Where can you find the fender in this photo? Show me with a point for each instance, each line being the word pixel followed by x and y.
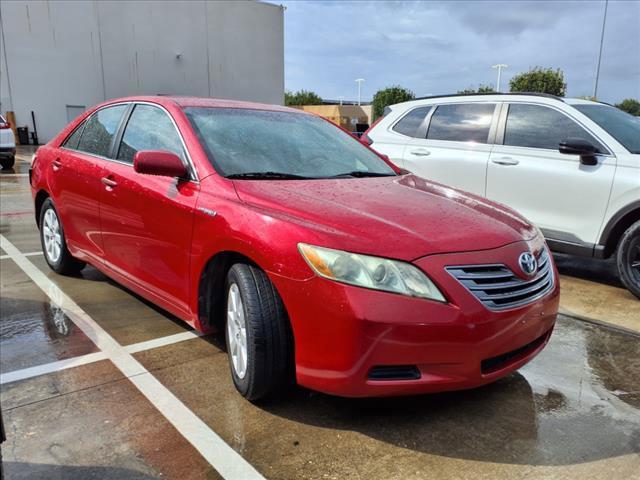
pixel 610 229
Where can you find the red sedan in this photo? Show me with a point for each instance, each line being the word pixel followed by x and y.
pixel 321 261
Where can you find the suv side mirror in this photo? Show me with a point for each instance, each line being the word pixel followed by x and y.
pixel 582 147
pixel 159 162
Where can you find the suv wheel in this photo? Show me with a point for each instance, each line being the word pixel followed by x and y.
pixel 628 258
pixel 8 162
pixel 258 335
pixel 53 242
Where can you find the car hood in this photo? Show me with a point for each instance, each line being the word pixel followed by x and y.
pixel 404 217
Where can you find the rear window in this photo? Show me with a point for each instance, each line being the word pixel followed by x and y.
pixel 469 122
pixel 100 129
pixel 409 124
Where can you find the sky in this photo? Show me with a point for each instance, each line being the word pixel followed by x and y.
pixel 435 47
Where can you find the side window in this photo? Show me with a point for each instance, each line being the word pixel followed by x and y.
pixel 466 122
pixel 536 126
pixel 409 124
pixel 73 139
pixel 100 129
pixel 149 128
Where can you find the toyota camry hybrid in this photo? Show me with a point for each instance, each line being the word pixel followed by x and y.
pixel 321 261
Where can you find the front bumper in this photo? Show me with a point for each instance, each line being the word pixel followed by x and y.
pixel 344 333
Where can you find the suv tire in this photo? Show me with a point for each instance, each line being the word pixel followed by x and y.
pixel 257 328
pixel 57 256
pixel 7 163
pixel 628 258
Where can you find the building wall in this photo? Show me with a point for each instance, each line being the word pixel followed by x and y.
pixel 58 57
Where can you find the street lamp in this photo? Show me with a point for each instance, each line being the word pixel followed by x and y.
pixel 359 82
pixel 499 66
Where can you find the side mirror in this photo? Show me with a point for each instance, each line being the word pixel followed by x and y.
pixel 582 147
pixel 160 163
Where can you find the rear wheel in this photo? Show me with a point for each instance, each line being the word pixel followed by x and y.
pixel 7 163
pixel 628 258
pixel 53 242
pixel 258 335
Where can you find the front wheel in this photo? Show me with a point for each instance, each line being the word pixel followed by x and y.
pixel 258 334
pixel 628 258
pixel 54 244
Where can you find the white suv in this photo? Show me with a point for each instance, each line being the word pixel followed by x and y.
pixel 570 166
pixel 7 145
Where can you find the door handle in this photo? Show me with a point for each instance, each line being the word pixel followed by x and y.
pixel 109 182
pixel 56 164
pixel 421 152
pixel 508 161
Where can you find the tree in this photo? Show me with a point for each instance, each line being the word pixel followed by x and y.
pixel 390 96
pixel 630 105
pixel 302 97
pixel 481 89
pixel 542 80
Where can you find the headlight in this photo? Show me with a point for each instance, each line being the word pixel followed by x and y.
pixel 370 272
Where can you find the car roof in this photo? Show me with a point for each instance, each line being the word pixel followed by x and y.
pixel 202 102
pixel 496 97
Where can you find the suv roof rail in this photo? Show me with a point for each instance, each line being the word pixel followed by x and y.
pixel 533 94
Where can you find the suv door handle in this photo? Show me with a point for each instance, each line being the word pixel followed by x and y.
pixel 109 182
pixel 508 161
pixel 56 164
pixel 420 152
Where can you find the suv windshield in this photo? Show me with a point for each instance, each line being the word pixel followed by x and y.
pixel 620 125
pixel 262 144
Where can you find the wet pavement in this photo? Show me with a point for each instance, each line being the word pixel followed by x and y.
pixel 574 412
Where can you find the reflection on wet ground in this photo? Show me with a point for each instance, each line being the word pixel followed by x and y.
pixel 571 406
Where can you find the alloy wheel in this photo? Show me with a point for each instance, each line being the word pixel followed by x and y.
pixel 237 331
pixel 52 236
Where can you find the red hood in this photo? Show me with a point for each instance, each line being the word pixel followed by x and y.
pixel 398 217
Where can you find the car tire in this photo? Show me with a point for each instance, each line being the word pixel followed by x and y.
pixel 54 244
pixel 628 258
pixel 256 320
pixel 8 163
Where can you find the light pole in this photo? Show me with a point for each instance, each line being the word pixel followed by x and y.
pixel 499 66
pixel 604 20
pixel 359 82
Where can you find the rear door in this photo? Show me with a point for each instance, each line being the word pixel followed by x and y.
pixel 76 170
pixel 563 197
pixel 146 220
pixel 455 145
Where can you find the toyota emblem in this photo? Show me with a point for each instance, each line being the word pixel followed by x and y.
pixel 528 263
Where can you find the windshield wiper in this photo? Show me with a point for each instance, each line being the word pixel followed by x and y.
pixel 266 176
pixel 362 174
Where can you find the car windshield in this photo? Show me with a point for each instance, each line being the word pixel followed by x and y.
pixel 620 125
pixel 261 144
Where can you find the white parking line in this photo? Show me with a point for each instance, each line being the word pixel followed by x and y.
pixel 52 367
pixel 14 175
pixel 30 254
pixel 211 446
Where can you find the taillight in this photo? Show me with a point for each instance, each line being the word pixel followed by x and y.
pixel 4 126
pixel 366 139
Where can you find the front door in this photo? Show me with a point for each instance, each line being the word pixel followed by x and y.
pixel 147 221
pixel 563 197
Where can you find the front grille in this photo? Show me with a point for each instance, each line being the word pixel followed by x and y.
pixel 493 364
pixel 498 288
pixel 394 372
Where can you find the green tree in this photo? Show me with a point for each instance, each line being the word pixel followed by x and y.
pixel 302 97
pixel 630 105
pixel 390 96
pixel 481 89
pixel 541 80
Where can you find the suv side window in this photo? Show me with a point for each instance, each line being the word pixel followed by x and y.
pixel 537 126
pixel 100 129
pixel 409 124
pixel 149 128
pixel 465 122
pixel 73 140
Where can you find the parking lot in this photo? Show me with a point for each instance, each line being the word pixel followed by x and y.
pixel 98 383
